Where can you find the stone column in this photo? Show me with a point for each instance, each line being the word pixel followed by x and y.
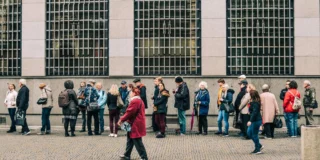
pixel 310 142
pixel 121 34
pixel 33 37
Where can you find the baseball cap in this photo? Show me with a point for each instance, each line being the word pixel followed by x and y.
pixel 123 82
pixel 245 82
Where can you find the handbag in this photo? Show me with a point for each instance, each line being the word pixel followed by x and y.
pixel 20 118
pixel 126 126
pixel 120 103
pixel 42 101
pixel 277 122
pixel 93 106
pixel 229 107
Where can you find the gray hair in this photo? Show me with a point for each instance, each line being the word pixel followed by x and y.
pixel 205 84
pixel 226 86
pixel 23 81
pixel 307 82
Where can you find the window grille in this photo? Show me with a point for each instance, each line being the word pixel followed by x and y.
pixel 260 37
pixel 167 37
pixel 10 40
pixel 77 37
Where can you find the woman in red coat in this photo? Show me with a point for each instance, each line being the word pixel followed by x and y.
pixel 291 114
pixel 136 117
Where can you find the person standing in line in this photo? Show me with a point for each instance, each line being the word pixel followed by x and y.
pixel 270 109
pixel 124 91
pixel 202 100
pixel 46 92
pixel 127 100
pixel 71 111
pixel 221 82
pixel 143 91
pixel 282 95
pixel 182 102
pixel 10 103
pixel 244 110
pixel 243 90
pixel 135 115
pixel 242 77
pixel 156 82
pixel 309 102
pixel 160 109
pixel 292 114
pixel 255 121
pixel 91 96
pixel 114 111
pixel 82 105
pixel 23 104
pixel 102 103
pixel 226 99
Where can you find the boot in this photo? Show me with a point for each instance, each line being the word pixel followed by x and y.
pixel 72 134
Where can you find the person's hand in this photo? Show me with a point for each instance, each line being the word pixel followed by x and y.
pixel 199 102
pixel 249 124
pixel 152 98
pixel 311 109
pixel 119 123
pixel 173 91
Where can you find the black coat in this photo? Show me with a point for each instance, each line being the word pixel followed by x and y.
pixel 156 92
pixel 161 101
pixel 72 108
pixel 283 93
pixel 143 95
pixel 22 101
pixel 254 111
pixel 239 97
pixel 112 101
pixel 182 97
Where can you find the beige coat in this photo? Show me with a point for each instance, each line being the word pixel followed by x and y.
pixel 269 107
pixel 47 93
pixel 244 103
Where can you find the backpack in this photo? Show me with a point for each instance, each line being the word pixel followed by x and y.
pixel 63 99
pixel 297 104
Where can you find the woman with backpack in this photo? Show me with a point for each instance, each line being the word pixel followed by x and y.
pixel 291 98
pixel 114 111
pixel 46 92
pixel 71 111
pixel 82 105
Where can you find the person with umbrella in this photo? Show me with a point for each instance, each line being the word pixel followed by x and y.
pixel 202 100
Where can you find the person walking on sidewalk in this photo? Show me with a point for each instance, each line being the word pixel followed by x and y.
pixel 46 92
pixel 160 109
pixel 23 104
pixel 269 108
pixel 202 100
pixel 135 115
pixel 282 95
pixel 114 111
pixel 182 102
pixel 92 97
pixel 82 105
pixel 102 103
pixel 309 102
pixel 10 103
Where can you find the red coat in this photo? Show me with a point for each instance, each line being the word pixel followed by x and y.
pixel 138 124
pixel 288 101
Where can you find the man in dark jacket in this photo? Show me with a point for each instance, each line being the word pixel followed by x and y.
pixel 309 102
pixel 156 82
pixel 243 89
pixel 282 95
pixel 123 90
pixel 182 102
pixel 23 104
pixel 143 91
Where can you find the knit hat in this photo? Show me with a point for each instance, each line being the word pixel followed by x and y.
pixel 136 80
pixel 178 80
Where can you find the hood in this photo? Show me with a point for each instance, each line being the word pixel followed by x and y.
pixel 68 84
pixel 231 91
pixel 165 93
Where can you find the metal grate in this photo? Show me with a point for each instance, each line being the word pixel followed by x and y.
pixel 77 37
pixel 167 37
pixel 260 37
pixel 10 40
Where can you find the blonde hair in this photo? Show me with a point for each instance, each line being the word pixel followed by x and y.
pixel 205 84
pixel 114 90
pixel 251 86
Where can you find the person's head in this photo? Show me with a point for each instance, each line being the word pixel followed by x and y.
pixel 92 82
pixel 250 88
pixel 42 85
pixel 157 81
pixel 306 84
pixel 161 86
pixel 243 83
pixel 137 81
pixel 203 85
pixel 287 84
pixel 68 84
pixel 255 97
pixel 242 77
pixel 130 86
pixel 99 86
pixel 135 92
pixel 123 84
pixel 22 82
pixel 11 87
pixel 83 84
pixel 178 80
pixel 114 90
pixel 265 88
pixel 293 85
pixel 225 87
pixel 221 82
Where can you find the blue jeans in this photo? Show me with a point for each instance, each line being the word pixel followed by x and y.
pixel 101 119
pixel 182 120
pixel 45 119
pixel 293 123
pixel 285 115
pixel 253 133
pixel 225 116
pixel 12 112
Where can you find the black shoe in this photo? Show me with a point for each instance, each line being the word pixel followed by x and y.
pixel 90 134
pixel 66 134
pixel 205 133
pixel 218 133
pixel 72 134
pixel 124 157
pixel 160 136
pixel 245 138
pixel 101 131
pixel 11 131
pixel 226 134
pixel 97 133
pixel 256 151
pixel 26 133
pixel 82 130
pixel 198 133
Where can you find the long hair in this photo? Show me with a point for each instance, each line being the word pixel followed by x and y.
pixel 114 90
pixel 252 87
pixel 255 97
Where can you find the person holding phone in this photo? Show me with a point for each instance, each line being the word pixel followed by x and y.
pixel 10 103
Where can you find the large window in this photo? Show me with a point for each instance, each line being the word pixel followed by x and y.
pixel 10 37
pixel 260 37
pixel 167 37
pixel 77 38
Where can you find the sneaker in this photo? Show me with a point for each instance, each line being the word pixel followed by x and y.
pixel 261 147
pixel 256 151
pixel 218 133
pixel 225 134
pixel 293 136
pixel 90 134
pixel 198 133
pixel 48 132
pixel 267 138
pixel 181 134
pixel 115 135
pixel 124 157
pixel 205 133
pixel 160 136
pixel 11 131
pixel 26 133
pixel 41 133
pixel 82 130
pixel 111 135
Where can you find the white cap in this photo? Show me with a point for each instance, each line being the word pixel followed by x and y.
pixel 265 86
pixel 242 76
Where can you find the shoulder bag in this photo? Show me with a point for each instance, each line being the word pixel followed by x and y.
pixel 126 126
pixel 43 100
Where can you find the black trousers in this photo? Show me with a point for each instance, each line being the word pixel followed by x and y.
pixel 72 123
pixel 155 127
pixel 245 119
pixel 25 127
pixel 269 129
pixel 137 142
pixel 95 115
pixel 203 124
pixel 84 120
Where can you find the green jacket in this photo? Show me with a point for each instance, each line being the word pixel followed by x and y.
pixel 309 98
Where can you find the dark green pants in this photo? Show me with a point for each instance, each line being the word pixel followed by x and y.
pixel 137 142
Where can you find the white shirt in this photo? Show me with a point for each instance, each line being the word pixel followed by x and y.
pixel 11 98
